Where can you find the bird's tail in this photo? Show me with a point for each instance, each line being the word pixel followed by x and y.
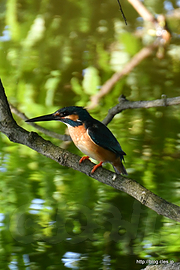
pixel 119 167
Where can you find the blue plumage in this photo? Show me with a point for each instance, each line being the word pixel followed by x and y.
pixel 102 136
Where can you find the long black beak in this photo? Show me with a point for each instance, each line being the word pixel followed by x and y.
pixel 47 117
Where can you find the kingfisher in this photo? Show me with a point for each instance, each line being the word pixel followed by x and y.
pixel 90 136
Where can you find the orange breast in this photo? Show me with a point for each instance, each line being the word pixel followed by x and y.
pixel 82 140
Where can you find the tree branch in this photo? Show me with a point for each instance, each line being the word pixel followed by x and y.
pixel 106 88
pixel 142 10
pixel 125 104
pixel 16 134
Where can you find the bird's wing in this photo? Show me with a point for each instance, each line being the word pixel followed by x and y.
pixel 103 137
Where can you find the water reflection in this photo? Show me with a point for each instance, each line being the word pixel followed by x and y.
pixel 1 219
pixel 36 206
pixel 5 35
pixel 71 259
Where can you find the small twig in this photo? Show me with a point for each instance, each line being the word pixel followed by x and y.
pixel 120 7
pixel 164 98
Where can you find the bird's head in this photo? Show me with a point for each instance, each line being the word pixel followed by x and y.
pixel 71 116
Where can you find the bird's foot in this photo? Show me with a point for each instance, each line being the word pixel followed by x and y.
pixel 83 158
pixel 96 166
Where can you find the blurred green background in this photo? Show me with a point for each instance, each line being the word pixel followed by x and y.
pixel 59 53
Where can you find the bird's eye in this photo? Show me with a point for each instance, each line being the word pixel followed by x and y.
pixel 62 114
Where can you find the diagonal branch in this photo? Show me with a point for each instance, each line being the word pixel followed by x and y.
pixel 107 87
pixel 31 139
pixel 142 10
